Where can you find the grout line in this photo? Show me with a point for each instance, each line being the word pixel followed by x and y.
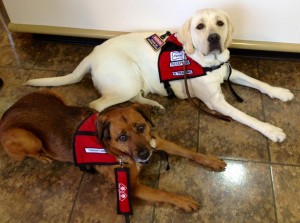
pixel 156 186
pixel 286 164
pixel 153 213
pixel 198 132
pixel 268 148
pixel 75 198
pixel 261 162
pixel 273 193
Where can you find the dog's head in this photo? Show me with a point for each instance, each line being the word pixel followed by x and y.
pixel 127 132
pixel 208 31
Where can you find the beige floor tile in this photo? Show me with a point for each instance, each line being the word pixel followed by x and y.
pixel 232 139
pixel 285 116
pixel 287 192
pixel 35 192
pixel 242 193
pixel 282 73
pixel 62 57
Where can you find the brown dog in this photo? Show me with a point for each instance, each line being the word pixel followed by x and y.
pixel 41 126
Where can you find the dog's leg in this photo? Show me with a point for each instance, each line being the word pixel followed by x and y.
pixel 220 105
pixel 150 194
pixel 114 95
pixel 186 203
pixel 19 143
pixel 174 149
pixel 108 100
pixel 274 92
pixel 140 99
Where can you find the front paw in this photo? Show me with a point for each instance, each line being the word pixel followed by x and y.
pixel 158 110
pixel 211 162
pixel 274 133
pixel 186 203
pixel 281 94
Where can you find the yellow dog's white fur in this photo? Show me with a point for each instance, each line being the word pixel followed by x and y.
pixel 125 68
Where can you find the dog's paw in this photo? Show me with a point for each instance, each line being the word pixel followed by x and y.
pixel 186 203
pixel 281 94
pixel 274 133
pixel 216 164
pixel 211 162
pixel 157 110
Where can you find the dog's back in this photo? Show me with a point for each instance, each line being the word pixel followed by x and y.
pixel 42 117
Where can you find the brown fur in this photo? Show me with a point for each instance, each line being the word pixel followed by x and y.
pixel 41 126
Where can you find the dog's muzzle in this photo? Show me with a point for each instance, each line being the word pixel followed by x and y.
pixel 214 42
pixel 144 156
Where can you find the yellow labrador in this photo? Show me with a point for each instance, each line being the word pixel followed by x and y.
pixel 125 68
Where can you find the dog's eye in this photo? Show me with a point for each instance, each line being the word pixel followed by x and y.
pixel 123 138
pixel 220 23
pixel 140 128
pixel 200 26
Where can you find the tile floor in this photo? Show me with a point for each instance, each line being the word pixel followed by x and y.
pixel 260 184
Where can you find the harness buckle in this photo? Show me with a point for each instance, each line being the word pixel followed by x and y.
pixel 121 160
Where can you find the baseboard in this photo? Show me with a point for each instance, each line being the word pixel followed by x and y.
pixel 64 31
pixel 105 34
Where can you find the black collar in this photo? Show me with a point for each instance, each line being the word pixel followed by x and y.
pixel 212 68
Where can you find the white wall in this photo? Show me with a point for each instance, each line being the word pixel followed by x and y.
pixel 271 21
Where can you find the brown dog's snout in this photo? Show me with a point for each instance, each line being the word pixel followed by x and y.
pixel 143 153
pixel 213 38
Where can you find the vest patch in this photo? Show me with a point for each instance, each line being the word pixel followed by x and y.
pixel 170 62
pixel 155 41
pixel 86 148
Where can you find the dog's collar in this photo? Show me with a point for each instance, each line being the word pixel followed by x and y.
pixel 213 68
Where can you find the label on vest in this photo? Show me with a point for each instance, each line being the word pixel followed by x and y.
pixel 170 62
pixel 124 205
pixel 155 42
pixel 95 150
pixel 86 147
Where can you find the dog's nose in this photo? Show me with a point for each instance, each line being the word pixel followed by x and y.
pixel 143 153
pixel 213 38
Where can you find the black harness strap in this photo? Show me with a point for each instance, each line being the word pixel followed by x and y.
pixel 237 97
pixel 169 90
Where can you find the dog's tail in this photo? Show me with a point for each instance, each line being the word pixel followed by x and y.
pixel 74 77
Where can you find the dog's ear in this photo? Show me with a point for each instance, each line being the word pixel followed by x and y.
pixel 184 36
pixel 145 111
pixel 103 129
pixel 230 31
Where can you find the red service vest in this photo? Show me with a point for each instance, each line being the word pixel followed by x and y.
pixel 86 148
pixel 170 60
